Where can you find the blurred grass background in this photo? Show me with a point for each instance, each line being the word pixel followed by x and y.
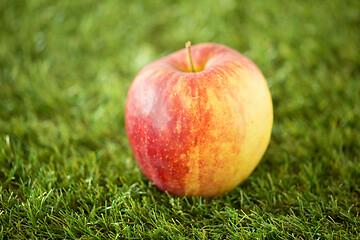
pixel 66 169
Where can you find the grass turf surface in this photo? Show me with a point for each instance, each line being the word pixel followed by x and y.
pixel 66 168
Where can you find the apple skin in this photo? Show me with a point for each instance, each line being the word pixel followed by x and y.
pixel 199 133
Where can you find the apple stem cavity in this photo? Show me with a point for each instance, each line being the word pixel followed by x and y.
pixel 188 48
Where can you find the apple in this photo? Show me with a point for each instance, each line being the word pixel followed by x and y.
pixel 199 120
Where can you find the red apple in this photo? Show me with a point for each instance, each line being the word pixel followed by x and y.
pixel 198 126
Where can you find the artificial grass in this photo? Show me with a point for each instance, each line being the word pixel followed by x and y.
pixel 66 168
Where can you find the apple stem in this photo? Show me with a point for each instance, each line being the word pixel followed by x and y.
pixel 188 48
